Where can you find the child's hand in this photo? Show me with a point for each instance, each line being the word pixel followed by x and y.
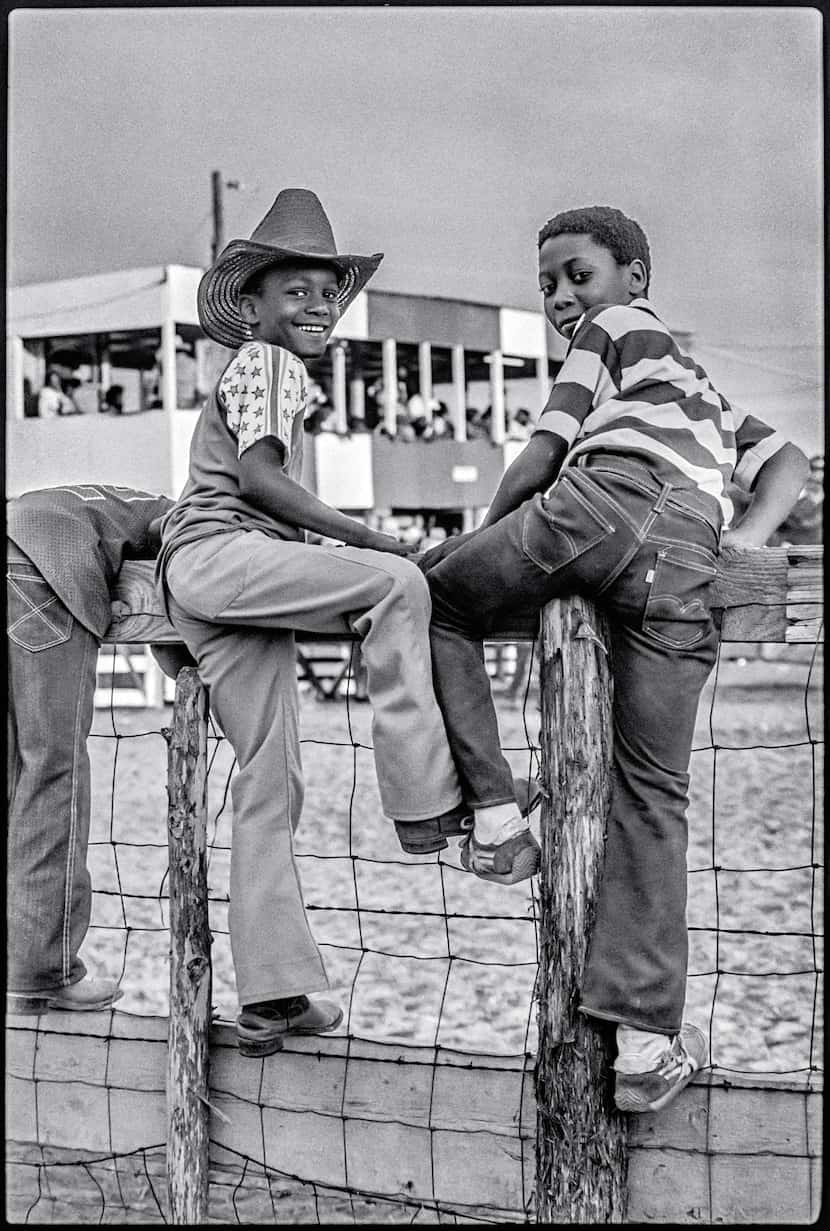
pixel 734 538
pixel 434 555
pixel 396 547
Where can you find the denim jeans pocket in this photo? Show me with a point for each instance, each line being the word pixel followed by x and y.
pixel 557 531
pixel 37 619
pixel 677 611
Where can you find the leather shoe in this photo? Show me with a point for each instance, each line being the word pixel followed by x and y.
pixel 85 996
pixel 261 1028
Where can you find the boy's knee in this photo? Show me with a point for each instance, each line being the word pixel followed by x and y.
pixel 407 584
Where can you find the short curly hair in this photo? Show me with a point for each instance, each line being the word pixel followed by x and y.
pixel 624 238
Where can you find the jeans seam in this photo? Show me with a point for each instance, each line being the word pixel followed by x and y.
pixel 619 509
pixel 622 564
pixel 586 504
pixel 69 882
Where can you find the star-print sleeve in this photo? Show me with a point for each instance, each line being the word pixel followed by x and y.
pixel 262 391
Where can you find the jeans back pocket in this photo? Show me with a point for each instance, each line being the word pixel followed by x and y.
pixel 37 619
pixel 677 611
pixel 558 530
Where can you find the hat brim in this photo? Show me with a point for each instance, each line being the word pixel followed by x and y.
pixel 218 296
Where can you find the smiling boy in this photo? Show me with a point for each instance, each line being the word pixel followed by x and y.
pixel 619 494
pixel 239 577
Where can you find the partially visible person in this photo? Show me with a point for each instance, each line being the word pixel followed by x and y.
pixel 442 425
pixel 114 401
pixel 805 521
pixel 520 425
pixel 70 388
pixel 52 402
pixel 87 397
pixel 65 547
pixel 476 429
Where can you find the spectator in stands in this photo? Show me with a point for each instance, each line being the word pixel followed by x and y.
pixel 70 387
pixel 404 430
pixel 52 401
pixel 804 523
pixel 475 426
pixel 520 426
pixel 114 400
pixel 442 425
pixel 87 397
pixel 64 550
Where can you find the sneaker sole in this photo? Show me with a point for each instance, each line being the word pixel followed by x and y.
pixel 635 1104
pixel 94 1007
pixel 525 865
pixel 632 1102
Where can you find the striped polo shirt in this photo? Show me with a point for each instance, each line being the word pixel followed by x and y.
pixel 626 388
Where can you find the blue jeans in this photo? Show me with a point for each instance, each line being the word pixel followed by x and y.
pixel 646 552
pixel 51 680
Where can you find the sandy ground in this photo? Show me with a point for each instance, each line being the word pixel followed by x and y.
pixel 418 950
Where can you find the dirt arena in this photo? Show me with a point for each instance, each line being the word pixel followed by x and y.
pixel 419 951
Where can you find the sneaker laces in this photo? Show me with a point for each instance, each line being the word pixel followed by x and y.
pixel 677 1058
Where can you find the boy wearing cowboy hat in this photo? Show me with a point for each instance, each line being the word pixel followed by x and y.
pixel 239 577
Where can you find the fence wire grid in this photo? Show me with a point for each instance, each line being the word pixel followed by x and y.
pixel 433 961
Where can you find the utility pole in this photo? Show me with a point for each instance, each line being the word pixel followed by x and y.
pixel 217 186
pixel 218 216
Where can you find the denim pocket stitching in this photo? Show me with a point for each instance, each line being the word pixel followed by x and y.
pixel 709 556
pixel 37 610
pixel 604 530
pixel 672 599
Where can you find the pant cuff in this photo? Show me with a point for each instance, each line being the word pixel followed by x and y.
pixel 399 814
pixel 291 987
pixel 637 1023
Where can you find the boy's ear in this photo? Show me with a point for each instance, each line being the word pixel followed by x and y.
pixel 249 309
pixel 637 276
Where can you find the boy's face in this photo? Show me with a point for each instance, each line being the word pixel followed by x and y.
pixel 295 307
pixel 577 273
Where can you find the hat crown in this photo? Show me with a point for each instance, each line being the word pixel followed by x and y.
pixel 297 221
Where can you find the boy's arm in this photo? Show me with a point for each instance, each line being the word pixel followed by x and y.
pixel 776 489
pixel 534 470
pixel 265 484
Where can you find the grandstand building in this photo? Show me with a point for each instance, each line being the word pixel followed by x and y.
pixel 395 359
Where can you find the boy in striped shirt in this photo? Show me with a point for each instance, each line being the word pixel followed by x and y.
pixel 621 494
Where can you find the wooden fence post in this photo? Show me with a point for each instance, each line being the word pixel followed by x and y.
pixel 581 1155
pixel 188 1110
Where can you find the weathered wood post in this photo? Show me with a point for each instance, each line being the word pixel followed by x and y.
pixel 190 969
pixel 581 1157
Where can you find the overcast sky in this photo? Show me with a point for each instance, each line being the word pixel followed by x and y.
pixel 444 137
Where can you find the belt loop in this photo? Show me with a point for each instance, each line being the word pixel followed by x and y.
pixel 660 502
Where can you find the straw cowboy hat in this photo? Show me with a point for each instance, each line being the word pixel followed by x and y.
pixel 295 228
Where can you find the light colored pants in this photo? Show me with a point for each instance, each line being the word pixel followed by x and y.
pixel 236 599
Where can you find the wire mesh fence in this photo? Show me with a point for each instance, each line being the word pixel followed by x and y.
pixel 435 969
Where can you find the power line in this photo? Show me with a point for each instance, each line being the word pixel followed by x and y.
pixel 93 303
pixel 756 363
